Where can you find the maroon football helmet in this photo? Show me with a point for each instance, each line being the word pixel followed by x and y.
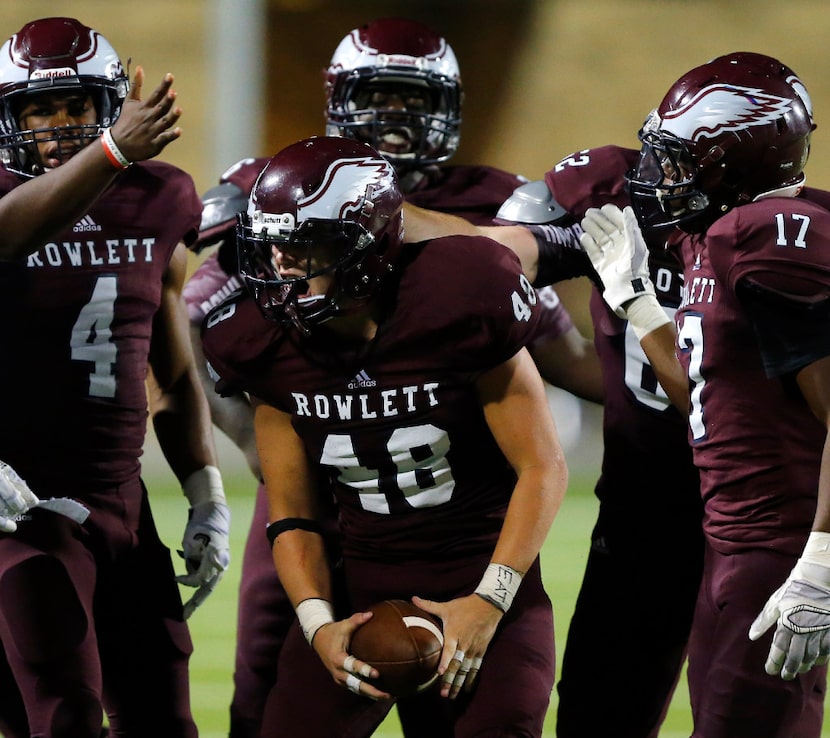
pixel 55 54
pixel 335 205
pixel 395 84
pixel 726 133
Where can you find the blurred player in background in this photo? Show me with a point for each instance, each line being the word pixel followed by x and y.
pixel 396 85
pixel 448 478
pixel 91 619
pixel 720 169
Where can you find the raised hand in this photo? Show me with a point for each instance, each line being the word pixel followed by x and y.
pixel 145 127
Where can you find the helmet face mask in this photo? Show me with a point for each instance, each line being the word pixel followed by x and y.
pixel 726 133
pixel 395 85
pixel 663 189
pixel 321 232
pixel 48 61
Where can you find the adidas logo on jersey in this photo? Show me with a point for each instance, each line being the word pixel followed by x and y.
pixel 362 379
pixel 86 224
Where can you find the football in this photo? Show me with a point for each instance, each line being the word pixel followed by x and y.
pixel 403 643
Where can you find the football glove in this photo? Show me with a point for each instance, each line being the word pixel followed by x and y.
pixel 15 498
pixel 800 610
pixel 613 242
pixel 205 544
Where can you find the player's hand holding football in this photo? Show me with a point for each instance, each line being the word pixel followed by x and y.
pixel 800 610
pixel 145 127
pixel 205 544
pixel 331 642
pixel 469 624
pixel 15 498
pixel 613 242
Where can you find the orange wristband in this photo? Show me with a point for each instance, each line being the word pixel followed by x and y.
pixel 116 158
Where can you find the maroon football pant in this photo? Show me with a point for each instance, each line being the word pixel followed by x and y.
pixel 91 620
pixel 264 617
pixel 732 696
pixel 627 638
pixel 513 689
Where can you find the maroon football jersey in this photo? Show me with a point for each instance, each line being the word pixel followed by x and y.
pixel 474 193
pixel 75 403
pixel 471 192
pixel 645 436
pixel 398 426
pixel 755 441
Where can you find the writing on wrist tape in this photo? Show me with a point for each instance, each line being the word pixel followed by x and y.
pixel 116 158
pixel 313 614
pixel 499 585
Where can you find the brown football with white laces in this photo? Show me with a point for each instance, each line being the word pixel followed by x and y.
pixel 403 643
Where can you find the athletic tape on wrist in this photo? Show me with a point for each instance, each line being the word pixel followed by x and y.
pixel 817 549
pixel 645 315
pixel 114 154
pixel 204 485
pixel 499 585
pixel 313 614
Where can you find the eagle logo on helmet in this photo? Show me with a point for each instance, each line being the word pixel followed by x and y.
pixel 345 189
pixel 721 108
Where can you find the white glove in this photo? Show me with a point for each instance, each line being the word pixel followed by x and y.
pixel 205 544
pixel 15 498
pixel 613 242
pixel 801 609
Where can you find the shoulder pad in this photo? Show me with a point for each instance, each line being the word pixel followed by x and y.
pixel 220 205
pixel 531 203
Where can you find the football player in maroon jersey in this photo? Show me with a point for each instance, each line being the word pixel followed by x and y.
pixel 648 491
pixel 720 169
pixel 381 378
pixel 376 73
pixel 91 619
pixel 639 455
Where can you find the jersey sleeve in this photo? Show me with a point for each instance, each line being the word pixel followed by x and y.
pixel 776 255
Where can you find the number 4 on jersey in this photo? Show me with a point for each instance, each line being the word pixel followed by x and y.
pixel 91 338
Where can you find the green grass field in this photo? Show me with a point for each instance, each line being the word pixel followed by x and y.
pixel 214 625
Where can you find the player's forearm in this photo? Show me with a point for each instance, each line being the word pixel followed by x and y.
pixel 42 207
pixel 659 347
pixel 181 420
pixel 422 225
pixel 536 500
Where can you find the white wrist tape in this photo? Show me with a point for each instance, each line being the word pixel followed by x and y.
pixel 313 614
pixel 499 585
pixel 204 485
pixel 817 549
pixel 645 315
